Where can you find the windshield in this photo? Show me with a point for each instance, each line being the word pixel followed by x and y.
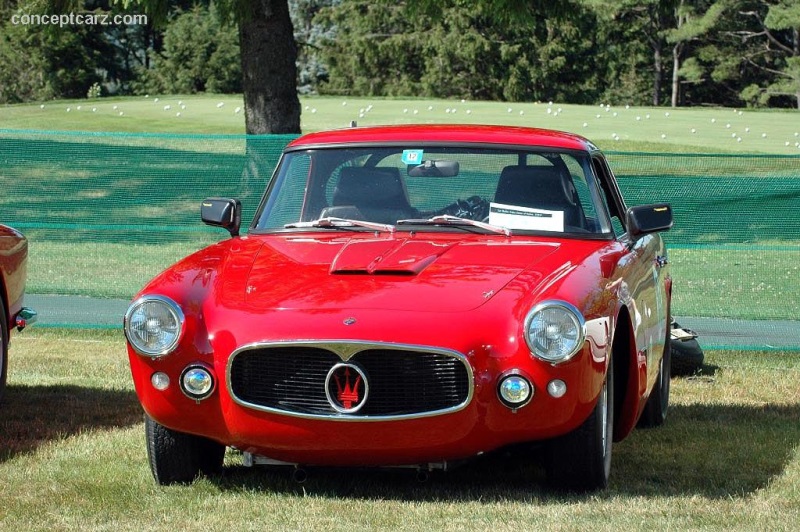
pixel 408 188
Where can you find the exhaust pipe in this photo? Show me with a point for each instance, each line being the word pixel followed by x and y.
pixel 423 475
pixel 299 475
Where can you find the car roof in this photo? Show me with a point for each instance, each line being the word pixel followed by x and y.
pixel 445 134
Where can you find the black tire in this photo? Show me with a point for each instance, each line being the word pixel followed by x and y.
pixel 655 411
pixel 179 458
pixel 3 349
pixel 581 460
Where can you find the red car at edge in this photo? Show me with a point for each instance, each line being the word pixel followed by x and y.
pixel 412 296
pixel 13 273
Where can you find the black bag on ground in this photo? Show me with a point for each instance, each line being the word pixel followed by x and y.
pixel 687 355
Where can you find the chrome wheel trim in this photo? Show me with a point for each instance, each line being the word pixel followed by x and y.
pixel 604 418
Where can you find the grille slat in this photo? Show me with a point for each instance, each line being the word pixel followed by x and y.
pixel 402 382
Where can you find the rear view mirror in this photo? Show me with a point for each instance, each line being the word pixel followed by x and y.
pixel 222 212
pixel 645 219
pixel 434 169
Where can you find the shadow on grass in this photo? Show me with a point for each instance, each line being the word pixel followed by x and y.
pixel 31 416
pixel 714 451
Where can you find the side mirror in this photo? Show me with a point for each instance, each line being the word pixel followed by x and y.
pixel 645 219
pixel 222 212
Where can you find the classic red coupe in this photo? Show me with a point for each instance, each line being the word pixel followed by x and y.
pixel 13 272
pixel 412 296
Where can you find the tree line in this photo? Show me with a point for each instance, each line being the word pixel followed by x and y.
pixel 659 52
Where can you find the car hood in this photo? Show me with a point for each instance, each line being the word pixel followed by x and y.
pixel 386 273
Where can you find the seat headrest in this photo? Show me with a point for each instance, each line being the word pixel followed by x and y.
pixel 534 186
pixel 369 186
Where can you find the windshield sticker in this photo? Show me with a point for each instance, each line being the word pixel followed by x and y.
pixel 525 218
pixel 412 157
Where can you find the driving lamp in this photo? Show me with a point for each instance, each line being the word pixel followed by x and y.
pixel 197 382
pixel 514 391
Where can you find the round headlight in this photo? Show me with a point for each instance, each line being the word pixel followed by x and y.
pixel 153 325
pixel 554 331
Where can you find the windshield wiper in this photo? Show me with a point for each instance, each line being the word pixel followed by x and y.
pixel 341 222
pixel 448 219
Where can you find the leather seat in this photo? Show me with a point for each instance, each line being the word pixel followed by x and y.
pixel 541 187
pixel 379 194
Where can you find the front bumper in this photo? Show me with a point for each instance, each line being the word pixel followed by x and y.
pixel 480 423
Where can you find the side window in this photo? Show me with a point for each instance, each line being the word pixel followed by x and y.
pixel 608 197
pixel 581 187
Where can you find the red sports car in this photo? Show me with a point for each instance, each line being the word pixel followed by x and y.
pixel 13 271
pixel 411 296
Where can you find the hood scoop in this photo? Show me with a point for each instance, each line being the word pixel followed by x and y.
pixel 387 257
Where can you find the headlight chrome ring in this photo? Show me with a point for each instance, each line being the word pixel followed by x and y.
pixel 554 331
pixel 154 325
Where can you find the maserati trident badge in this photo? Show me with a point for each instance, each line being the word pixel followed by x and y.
pixel 346 388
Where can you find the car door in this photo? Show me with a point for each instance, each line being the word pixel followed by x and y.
pixel 643 276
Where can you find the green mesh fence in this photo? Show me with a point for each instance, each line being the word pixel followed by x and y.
pixel 105 212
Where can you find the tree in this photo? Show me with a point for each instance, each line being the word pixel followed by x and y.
pixel 199 55
pixel 268 54
pixel 372 49
pixel 463 51
pixel 45 61
pixel 691 22
pixel 652 20
pixel 309 36
pixel 775 27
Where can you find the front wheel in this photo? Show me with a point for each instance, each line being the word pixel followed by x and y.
pixel 581 460
pixel 178 458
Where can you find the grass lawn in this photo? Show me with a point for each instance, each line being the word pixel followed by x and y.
pixel 618 127
pixel 72 453
pixel 73 457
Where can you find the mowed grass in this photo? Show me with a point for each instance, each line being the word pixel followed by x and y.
pixel 612 127
pixel 73 457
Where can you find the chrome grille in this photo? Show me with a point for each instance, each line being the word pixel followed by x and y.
pixel 403 381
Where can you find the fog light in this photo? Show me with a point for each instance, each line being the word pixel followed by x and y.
pixel 557 388
pixel 197 382
pixel 514 391
pixel 160 381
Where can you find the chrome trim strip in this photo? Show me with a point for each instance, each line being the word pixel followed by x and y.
pixel 346 349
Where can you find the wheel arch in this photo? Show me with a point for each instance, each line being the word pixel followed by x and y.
pixel 626 376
